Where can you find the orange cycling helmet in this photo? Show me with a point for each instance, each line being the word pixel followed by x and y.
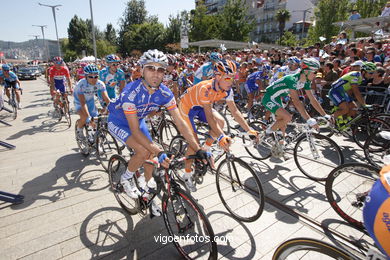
pixel 225 67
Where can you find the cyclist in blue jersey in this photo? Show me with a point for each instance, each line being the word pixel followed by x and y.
pixel 255 81
pixel 11 80
pixel 126 121
pixel 206 71
pixel 112 76
pixel 184 78
pixel 84 97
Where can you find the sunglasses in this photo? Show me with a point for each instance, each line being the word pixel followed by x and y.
pixel 59 62
pixel 227 78
pixel 93 77
pixel 153 68
pixel 115 64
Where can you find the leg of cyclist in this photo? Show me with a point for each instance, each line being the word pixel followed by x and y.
pixel 283 117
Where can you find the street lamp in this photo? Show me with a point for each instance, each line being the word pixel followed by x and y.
pixel 45 50
pixel 55 23
pixel 93 32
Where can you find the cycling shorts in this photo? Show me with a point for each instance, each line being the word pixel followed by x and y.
pixel 92 109
pixel 9 84
pixel 60 85
pixel 338 96
pixel 251 88
pixel 122 131
pixel 272 104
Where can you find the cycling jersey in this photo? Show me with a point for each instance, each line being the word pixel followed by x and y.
pixel 111 80
pixel 192 101
pixel 170 77
pixel 338 92
pixel 251 85
pixel 376 211
pixel 59 76
pixel 281 72
pixel 89 91
pixel 10 81
pixel 185 75
pixel 206 70
pixel 80 73
pixel 135 99
pixel 272 99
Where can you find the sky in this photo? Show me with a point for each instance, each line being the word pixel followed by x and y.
pixel 18 16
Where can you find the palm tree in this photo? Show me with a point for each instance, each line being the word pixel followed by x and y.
pixel 282 16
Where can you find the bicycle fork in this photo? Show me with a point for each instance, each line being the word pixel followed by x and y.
pixel 312 146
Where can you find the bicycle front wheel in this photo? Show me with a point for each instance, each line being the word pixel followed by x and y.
pixel 67 113
pixel 375 149
pixel 346 189
pixel 308 248
pixel 82 142
pixel 261 150
pixel 117 166
pixel 106 146
pixel 167 132
pixel 188 226
pixel 240 189
pixel 316 155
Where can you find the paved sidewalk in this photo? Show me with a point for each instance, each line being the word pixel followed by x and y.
pixel 69 212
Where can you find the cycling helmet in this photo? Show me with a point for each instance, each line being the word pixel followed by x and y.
pixel 112 58
pixel 310 64
pixel 5 67
pixel 91 69
pixel 57 60
pixel 215 56
pixel 369 66
pixel 225 67
pixel 266 68
pixel 171 59
pixel 190 66
pixel 153 56
pixel 293 60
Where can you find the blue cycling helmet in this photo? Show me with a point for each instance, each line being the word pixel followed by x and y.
pixel 267 67
pixel 293 60
pixel 5 67
pixel 112 58
pixel 91 69
pixel 215 56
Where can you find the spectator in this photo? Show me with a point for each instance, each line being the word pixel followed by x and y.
pixel 354 15
pixel 386 10
pixel 336 67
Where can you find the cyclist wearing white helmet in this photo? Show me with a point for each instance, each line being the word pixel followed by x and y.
pixel 290 85
pixel 291 67
pixel 127 120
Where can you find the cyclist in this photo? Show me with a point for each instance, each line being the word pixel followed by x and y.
pixel 58 73
pixel 290 85
pixel 197 102
pixel 291 67
pixel 126 120
pixel 348 85
pixel 185 77
pixel 376 211
pixel 84 97
pixel 80 71
pixel 255 81
pixel 11 80
pixel 112 76
pixel 205 71
pixel 171 76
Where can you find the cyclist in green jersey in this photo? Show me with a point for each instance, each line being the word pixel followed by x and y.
pixel 290 85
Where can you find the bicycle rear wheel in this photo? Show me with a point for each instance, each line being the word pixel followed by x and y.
pixel 240 189
pixel 167 132
pixel 117 165
pixel 317 161
pixel 375 149
pixel 188 224
pixel 106 146
pixel 346 189
pixel 308 248
pixel 261 150
pixel 364 128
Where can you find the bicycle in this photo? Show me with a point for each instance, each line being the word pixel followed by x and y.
pixel 12 100
pixel 181 213
pixel 99 140
pixel 311 149
pixel 238 186
pixel 62 109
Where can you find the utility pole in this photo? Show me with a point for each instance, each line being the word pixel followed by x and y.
pixel 45 49
pixel 304 19
pixel 53 7
pixel 93 33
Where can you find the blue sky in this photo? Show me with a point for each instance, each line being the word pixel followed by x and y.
pixel 18 16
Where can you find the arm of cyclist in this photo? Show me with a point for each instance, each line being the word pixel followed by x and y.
pixel 239 118
pixel 358 95
pixel 69 83
pixel 301 109
pixel 223 141
pixel 52 90
pixel 122 85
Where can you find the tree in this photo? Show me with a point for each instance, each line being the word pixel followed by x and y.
pixel 368 8
pixel 172 32
pixel 203 26
pixel 77 35
pixel 104 47
pixel 235 24
pixel 325 17
pixel 144 37
pixel 282 16
pixel 289 39
pixel 110 34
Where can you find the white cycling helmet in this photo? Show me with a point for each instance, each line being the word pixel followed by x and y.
pixel 154 56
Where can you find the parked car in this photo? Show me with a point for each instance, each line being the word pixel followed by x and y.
pixel 37 70
pixel 27 73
